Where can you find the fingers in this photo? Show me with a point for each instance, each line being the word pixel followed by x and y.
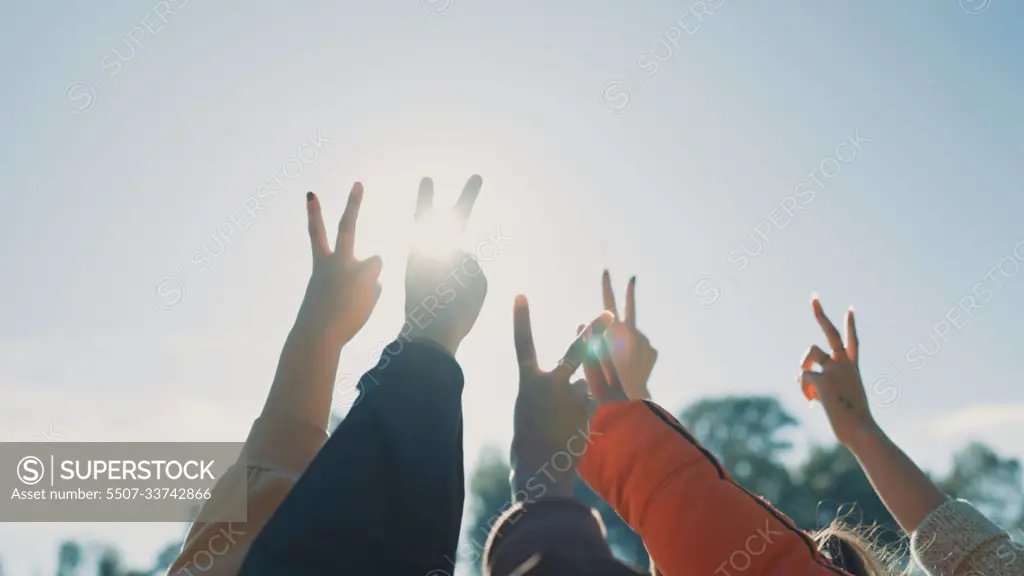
pixel 810 383
pixel 835 341
pixel 600 372
pixel 808 378
pixel 595 376
pixel 579 349
pixel 609 295
pixel 467 199
pixel 317 232
pixel 852 343
pixel 815 355
pixel 424 198
pixel 615 390
pixel 346 242
pixel 629 317
pixel 526 354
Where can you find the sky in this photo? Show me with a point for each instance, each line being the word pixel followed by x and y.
pixel 734 156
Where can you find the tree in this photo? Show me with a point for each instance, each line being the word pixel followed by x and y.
pixel 991 483
pixel 490 496
pixel 830 484
pixel 69 558
pixel 110 563
pixel 745 434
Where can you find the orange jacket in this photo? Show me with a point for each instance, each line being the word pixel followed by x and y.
pixel 692 517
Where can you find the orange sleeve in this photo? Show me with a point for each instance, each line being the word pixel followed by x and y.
pixel 690 514
pixel 276 454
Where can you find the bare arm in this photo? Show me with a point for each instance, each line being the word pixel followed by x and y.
pixel 905 489
pixel 948 537
pixel 341 294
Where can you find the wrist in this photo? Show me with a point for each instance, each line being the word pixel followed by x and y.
pixel 542 482
pixel 433 334
pixel 315 336
pixel 864 437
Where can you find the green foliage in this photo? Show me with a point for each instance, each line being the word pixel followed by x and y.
pixel 72 561
pixel 990 482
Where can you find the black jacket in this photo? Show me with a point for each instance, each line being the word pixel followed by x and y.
pixel 385 494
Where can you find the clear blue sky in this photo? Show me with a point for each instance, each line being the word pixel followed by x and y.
pixel 111 187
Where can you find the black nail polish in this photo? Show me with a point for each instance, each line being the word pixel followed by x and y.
pixel 309 196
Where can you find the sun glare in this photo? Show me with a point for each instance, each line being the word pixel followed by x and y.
pixel 438 234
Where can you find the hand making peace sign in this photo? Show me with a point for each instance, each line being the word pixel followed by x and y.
pixel 631 351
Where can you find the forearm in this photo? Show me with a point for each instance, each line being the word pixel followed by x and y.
pixel 303 386
pixel 532 483
pixel 905 489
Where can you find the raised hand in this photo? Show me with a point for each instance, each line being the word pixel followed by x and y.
pixel 908 493
pixel 631 351
pixel 340 296
pixel 444 290
pixel 838 384
pixel 342 290
pixel 550 422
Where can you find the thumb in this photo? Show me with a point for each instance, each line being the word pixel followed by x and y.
pixel 371 268
pixel 811 382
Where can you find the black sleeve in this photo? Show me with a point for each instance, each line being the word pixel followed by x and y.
pixel 385 494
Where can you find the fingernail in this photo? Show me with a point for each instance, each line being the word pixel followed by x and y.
pixel 309 196
pixel 520 300
pixel 814 296
pixel 632 280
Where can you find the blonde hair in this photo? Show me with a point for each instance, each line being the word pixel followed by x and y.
pixel 853 549
pixel 850 547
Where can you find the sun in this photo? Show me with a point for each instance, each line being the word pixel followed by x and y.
pixel 438 234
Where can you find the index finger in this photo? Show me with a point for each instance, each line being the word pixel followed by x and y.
pixel 345 244
pixel 630 315
pixel 852 342
pixel 835 341
pixel 424 198
pixel 317 231
pixel 526 354
pixel 468 198
pixel 609 295
pixel 615 387
pixel 598 376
